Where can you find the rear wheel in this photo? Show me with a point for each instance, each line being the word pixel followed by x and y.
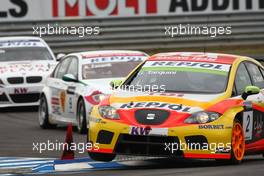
pixel 102 156
pixel 238 144
pixel 81 117
pixel 43 116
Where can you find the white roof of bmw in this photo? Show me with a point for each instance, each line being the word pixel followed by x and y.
pixel 107 52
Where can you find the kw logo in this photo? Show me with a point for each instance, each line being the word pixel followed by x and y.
pixel 20 91
pixel 140 131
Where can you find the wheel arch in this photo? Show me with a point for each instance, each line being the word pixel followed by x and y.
pixel 234 113
pixel 239 117
pixel 47 93
pixel 77 104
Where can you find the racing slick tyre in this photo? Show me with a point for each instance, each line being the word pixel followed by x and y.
pixel 237 143
pixel 106 157
pixel 43 116
pixel 81 117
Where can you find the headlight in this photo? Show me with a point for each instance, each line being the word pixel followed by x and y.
pixel 99 97
pixel 202 117
pixel 108 112
pixel 95 98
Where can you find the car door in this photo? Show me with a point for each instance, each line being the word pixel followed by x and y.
pixel 58 88
pixel 257 123
pixel 243 80
pixel 71 96
pixel 249 74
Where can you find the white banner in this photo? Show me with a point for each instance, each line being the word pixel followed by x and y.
pixel 21 10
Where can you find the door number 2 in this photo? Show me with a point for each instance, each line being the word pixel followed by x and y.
pixel 248 124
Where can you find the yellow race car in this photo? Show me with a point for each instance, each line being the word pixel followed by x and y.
pixel 190 105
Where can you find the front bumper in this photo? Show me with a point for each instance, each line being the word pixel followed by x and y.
pixel 20 95
pixel 211 140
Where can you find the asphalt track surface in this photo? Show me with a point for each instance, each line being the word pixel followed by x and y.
pixel 19 129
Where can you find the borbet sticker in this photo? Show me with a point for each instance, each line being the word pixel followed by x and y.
pixel 172 107
pixel 20 43
pixel 211 127
pixel 186 64
pixel 145 131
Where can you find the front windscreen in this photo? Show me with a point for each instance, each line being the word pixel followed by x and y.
pixel 24 54
pixel 108 69
pixel 181 76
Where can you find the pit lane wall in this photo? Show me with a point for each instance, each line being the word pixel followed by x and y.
pixel 135 24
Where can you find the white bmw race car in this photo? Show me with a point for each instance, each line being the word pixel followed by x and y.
pixel 79 82
pixel 25 62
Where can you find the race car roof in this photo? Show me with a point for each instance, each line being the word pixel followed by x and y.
pixel 109 53
pixel 195 57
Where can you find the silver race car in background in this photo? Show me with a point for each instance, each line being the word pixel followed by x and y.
pixel 25 62
pixel 79 82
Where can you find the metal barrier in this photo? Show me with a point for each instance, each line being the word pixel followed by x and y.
pixel 147 33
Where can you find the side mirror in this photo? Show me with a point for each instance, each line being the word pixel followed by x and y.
pixel 115 83
pixel 250 90
pixel 60 56
pixel 69 78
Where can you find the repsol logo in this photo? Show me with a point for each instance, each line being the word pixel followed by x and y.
pixel 189 64
pixel 214 5
pixel 117 58
pixel 213 127
pixel 174 107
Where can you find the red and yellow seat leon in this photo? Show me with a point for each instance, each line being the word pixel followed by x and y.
pixel 181 104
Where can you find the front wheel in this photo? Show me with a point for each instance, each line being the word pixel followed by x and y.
pixel 81 117
pixel 106 157
pixel 238 144
pixel 43 116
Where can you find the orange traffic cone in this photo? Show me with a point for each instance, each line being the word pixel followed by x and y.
pixel 68 153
